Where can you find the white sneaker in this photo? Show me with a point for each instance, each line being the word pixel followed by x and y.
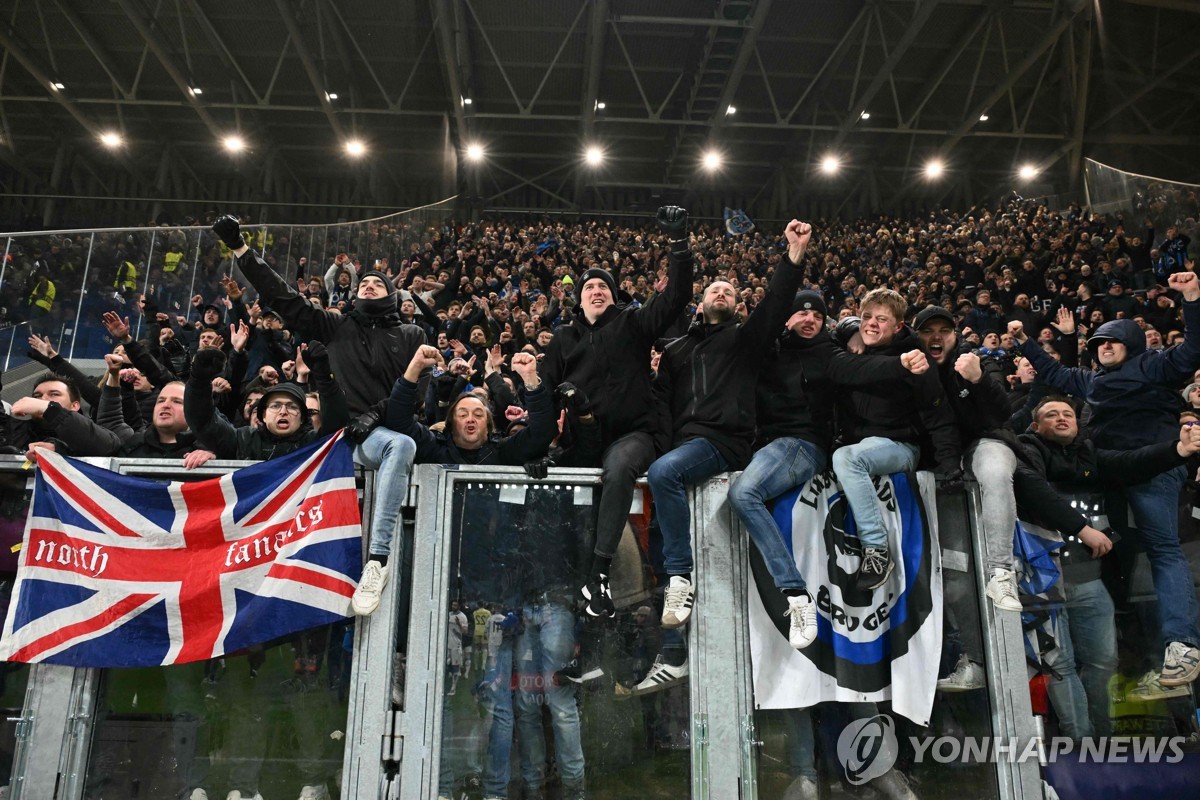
pixel 197 794
pixel 1181 665
pixel 370 589
pixel 967 676
pixel 318 792
pixel 1150 687
pixel 803 611
pixel 236 795
pixel 1002 588
pixel 661 676
pixel 677 605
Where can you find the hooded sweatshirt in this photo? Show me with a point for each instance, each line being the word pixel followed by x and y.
pixel 1135 403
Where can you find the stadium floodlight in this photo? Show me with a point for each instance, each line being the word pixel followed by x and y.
pixel 475 152
pixel 830 165
pixel 712 160
pixel 1028 172
pixel 196 90
pixel 355 148
pixel 58 87
pixel 599 105
pixel 234 144
pixel 865 115
pixel 730 111
pixel 934 168
pixel 983 117
pixel 111 139
pixel 594 156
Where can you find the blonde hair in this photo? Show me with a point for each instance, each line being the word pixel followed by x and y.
pixel 891 300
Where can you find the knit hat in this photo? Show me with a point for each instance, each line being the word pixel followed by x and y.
pixel 374 273
pixel 602 274
pixel 292 391
pixel 809 300
pixel 377 306
pixel 1191 387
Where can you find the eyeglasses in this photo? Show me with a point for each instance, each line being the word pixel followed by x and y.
pixel 1190 423
pixel 290 408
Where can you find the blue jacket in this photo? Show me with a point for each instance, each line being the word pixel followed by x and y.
pixel 1136 403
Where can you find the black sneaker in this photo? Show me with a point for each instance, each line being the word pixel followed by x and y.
pixel 874 570
pixel 599 598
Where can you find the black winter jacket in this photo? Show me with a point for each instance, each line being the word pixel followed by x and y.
pixel 911 409
pixel 610 358
pixel 138 444
pixel 798 381
pixel 367 353
pixel 707 377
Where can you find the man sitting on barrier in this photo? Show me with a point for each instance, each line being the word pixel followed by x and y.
pixel 1134 402
pixel 369 348
pixel 883 427
pixel 794 406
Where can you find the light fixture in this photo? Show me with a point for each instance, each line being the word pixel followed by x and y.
pixel 235 144
pixel 712 160
pixel 599 105
pixel 331 95
pixel 934 168
pixel 196 90
pixel 111 139
pixel 594 156
pixel 865 115
pixel 56 86
pixel 830 165
pixel 730 111
pixel 983 117
pixel 475 152
pixel 355 148
pixel 1028 172
pixel 466 101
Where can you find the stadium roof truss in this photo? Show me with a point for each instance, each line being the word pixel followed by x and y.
pixel 768 89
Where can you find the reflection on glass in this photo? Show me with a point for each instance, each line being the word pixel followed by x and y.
pixel 16 492
pixel 538 702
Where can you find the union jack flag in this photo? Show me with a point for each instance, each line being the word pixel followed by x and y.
pixel 118 571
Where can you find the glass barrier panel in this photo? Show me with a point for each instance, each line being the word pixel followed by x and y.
pixel 540 698
pixel 825 749
pixel 267 721
pixel 16 493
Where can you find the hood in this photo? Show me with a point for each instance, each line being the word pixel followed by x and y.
pixel 1125 331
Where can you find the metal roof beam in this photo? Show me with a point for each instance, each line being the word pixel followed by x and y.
pixel 227 56
pixel 442 13
pixel 310 67
pixel 746 49
pixel 93 45
pixel 145 28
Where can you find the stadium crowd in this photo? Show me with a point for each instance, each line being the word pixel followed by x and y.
pixel 1048 355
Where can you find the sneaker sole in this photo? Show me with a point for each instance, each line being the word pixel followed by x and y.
pixel 958 688
pixel 675 622
pixel 587 606
pixel 891 568
pixel 363 611
pixel 1181 680
pixel 638 691
pixel 1179 691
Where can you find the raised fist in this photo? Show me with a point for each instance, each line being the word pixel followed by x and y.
pixel 914 361
pixel 229 230
pixel 969 368
pixel 207 364
pixel 1185 283
pixel 798 235
pixel 672 220
pixel 1017 331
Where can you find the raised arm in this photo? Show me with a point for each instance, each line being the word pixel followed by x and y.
pixel 655 318
pixel 769 316
pixel 211 428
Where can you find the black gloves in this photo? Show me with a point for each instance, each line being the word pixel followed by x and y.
pixel 949 475
pixel 845 329
pixel 207 364
pixel 230 231
pixel 317 359
pixel 570 397
pixel 539 469
pixel 672 220
pixel 361 426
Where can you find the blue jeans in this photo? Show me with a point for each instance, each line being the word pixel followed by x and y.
pixel 1155 506
pixel 1066 692
pixel 782 465
pixel 497 702
pixel 854 465
pixel 391 455
pixel 669 477
pixel 1094 638
pixel 546 646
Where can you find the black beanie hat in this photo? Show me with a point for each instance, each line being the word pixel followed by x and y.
pixel 808 300
pixel 391 287
pixel 378 306
pixel 602 274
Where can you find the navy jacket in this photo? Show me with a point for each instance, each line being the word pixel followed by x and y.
pixel 1136 403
